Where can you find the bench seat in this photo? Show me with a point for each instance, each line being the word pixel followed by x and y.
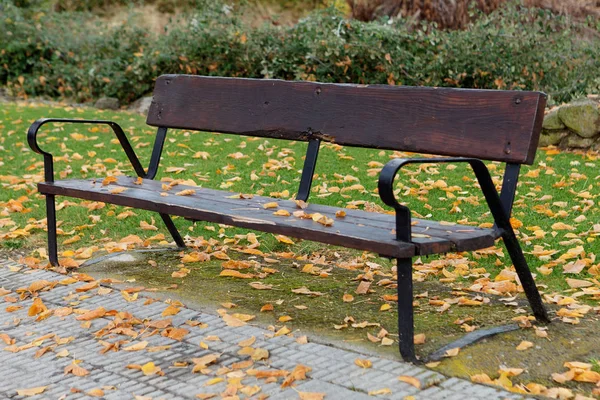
pixel 358 229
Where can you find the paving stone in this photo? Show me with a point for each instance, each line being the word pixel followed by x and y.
pixel 333 369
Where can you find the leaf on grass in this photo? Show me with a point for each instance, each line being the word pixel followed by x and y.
pixel 524 345
pixel 307 291
pixel 235 274
pixel 452 352
pixel 260 286
pixel 419 338
pixel 284 239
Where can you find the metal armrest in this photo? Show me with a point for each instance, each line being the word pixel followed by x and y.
pixel 48 162
pixel 389 171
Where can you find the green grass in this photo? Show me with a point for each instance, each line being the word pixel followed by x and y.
pixel 270 166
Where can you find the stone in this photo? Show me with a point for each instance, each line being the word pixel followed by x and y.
pixel 574 141
pixel 141 105
pixel 3 95
pixel 552 138
pixel 552 121
pixel 582 117
pixel 107 103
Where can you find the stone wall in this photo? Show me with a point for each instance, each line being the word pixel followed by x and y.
pixel 574 126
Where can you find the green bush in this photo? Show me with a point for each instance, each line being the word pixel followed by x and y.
pixel 70 54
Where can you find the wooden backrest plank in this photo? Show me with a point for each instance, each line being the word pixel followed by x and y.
pixel 487 124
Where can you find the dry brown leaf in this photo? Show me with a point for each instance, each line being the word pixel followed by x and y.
pixel 524 345
pixel 76 370
pixel 411 380
pixel 90 315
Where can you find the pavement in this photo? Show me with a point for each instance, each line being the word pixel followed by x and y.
pixel 32 353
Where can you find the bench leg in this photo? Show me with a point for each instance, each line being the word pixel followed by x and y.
pixel 406 330
pixel 173 230
pixel 518 260
pixel 51 224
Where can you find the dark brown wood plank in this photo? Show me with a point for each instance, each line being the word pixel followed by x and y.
pixel 487 124
pixel 358 224
pixel 138 196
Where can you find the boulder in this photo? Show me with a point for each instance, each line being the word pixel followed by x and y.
pixel 107 103
pixel 582 117
pixel 552 121
pixel 552 138
pixel 574 141
pixel 141 105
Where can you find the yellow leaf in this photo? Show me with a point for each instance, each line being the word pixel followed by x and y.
pixel 380 391
pixel 96 393
pixel 235 274
pixel 363 363
pixel 137 346
pixel 31 392
pixel 524 345
pixel 452 352
pixel 282 213
pixel 411 380
pixel 149 368
pixel 270 205
pixel 284 239
pixel 37 307
pixel 385 307
pixel 347 298
pixel 419 338
pixel 247 342
pixel 186 192
pixel 108 180
pixel 117 190
pixel 311 395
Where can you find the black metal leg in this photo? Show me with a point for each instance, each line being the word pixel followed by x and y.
pixel 406 330
pixel 51 224
pixel 173 230
pixel 518 259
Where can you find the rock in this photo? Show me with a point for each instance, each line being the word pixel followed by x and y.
pixel 141 105
pixel 552 121
pixel 582 117
pixel 107 103
pixel 3 95
pixel 552 138
pixel 574 141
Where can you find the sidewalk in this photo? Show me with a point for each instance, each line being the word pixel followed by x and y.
pixel 334 372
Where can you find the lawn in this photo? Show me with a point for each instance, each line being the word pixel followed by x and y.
pixel 556 214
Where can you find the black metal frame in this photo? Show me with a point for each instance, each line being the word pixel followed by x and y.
pixel 133 159
pixel 500 206
pixel 308 170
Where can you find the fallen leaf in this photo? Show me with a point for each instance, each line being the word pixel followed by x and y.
pixel 411 380
pixel 524 345
pixel 31 392
pixel 363 363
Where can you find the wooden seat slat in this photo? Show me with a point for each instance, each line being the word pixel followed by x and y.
pixel 368 230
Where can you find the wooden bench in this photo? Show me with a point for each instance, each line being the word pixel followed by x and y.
pixel 471 124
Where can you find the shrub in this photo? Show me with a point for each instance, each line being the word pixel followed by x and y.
pixel 69 55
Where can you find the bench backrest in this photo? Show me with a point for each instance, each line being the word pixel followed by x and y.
pixel 487 124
